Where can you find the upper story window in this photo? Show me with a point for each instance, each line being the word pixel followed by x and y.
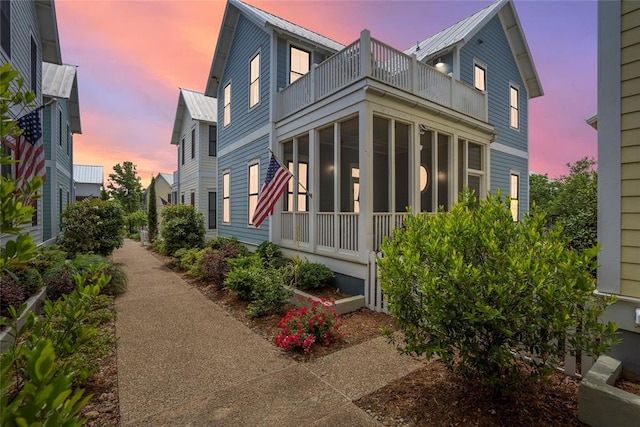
pixel 34 66
pixel 514 104
pixel 213 141
pixel 68 140
pixel 60 127
pixel 479 76
pixel 299 63
pixel 226 115
pixel 254 81
pixel 5 26
pixel 193 143
pixel 182 149
pixel 193 198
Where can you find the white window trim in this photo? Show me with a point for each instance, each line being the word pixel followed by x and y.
pixel 227 196
pixel 483 65
pixel 517 88
pixel 250 164
pixel 224 103
pixel 194 144
pixel 514 172
pixel 252 57
pixel 289 46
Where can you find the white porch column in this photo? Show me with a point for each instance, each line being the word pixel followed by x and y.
pixel 314 189
pixel 365 144
pixel 337 146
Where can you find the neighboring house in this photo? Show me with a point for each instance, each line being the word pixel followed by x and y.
pixel 195 134
pixel 163 184
pixel 88 181
pixel 368 133
pixel 618 124
pixel 60 120
pixel 29 37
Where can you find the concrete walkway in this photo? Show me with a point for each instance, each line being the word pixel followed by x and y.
pixel 184 361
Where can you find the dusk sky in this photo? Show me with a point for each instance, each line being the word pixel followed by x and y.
pixel 133 56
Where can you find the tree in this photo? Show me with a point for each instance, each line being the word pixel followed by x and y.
pixel 470 287
pixel 103 194
pixel 152 214
pixel 125 187
pixel 541 191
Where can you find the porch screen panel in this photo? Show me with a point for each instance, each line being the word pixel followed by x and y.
pixel 402 167
pixel 443 170
pixel 287 158
pixel 461 164
pixel 349 166
pixel 326 173
pixel 427 176
pixel 380 164
pixel 303 173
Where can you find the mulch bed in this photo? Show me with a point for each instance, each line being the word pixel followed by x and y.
pixel 630 386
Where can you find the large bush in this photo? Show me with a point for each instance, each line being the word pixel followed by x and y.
pixel 92 226
pixel 60 280
pixel 215 264
pixel 470 287
pixel 182 227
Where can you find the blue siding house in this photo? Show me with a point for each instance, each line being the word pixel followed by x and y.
pixel 368 131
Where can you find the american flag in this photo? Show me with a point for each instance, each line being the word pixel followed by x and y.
pixel 277 179
pixel 164 202
pixel 28 148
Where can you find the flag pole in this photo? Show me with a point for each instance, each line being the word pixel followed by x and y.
pixel 287 169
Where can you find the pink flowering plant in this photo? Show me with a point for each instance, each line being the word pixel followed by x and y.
pixel 302 327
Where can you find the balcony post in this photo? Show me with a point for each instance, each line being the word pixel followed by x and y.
pixel 365 53
pixel 414 74
pixel 312 83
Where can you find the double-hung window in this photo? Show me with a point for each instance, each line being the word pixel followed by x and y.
pixel 213 141
pixel 253 189
pixel 514 107
pixel 515 195
pixel 182 149
pixel 479 76
pixel 34 66
pixel 226 202
pixel 193 198
pixel 299 63
pixel 226 112
pixel 193 143
pixel 254 81
pixel 212 210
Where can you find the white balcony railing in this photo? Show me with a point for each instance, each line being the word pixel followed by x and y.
pixel 295 226
pixel 371 58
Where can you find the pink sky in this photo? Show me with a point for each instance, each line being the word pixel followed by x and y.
pixel 133 56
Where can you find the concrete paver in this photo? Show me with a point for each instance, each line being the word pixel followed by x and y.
pixel 184 361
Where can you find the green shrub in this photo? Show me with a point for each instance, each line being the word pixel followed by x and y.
pixel 158 246
pixel 182 227
pixel 471 286
pixel 27 276
pixel 243 276
pixel 60 280
pixel 12 294
pixel 269 294
pixel 92 226
pixel 271 254
pixel 215 263
pixel 134 236
pixel 230 244
pixel 191 260
pixel 311 275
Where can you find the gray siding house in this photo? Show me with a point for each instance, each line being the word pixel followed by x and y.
pixel 195 135
pixel 369 132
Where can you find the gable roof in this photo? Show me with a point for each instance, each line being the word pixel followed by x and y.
pixel 262 19
pixel 462 31
pixel 87 174
pixel 200 107
pixel 48 29
pixel 167 177
pixel 61 81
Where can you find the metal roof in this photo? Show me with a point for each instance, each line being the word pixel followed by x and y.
pixel 200 107
pixel 463 31
pixel 263 19
pixel 48 28
pixel 167 177
pixel 87 174
pixel 60 81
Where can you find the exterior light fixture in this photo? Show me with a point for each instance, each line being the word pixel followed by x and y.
pixel 440 63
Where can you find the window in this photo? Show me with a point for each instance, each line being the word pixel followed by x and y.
pixel 515 196
pixel 254 81
pixel 68 198
pixel 471 167
pixel 213 141
pixel 226 114
pixel 253 190
pixel 169 198
pixel 193 199
pixel 60 127
pixel 34 66
pixel 513 95
pixel 68 140
pixel 226 208
pixel 297 187
pixel 182 199
pixel 212 210
pixel 479 77
pixel 299 63
pixel 193 143
pixel 5 26
pixel 182 147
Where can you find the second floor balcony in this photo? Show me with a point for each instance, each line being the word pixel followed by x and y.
pixel 370 58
